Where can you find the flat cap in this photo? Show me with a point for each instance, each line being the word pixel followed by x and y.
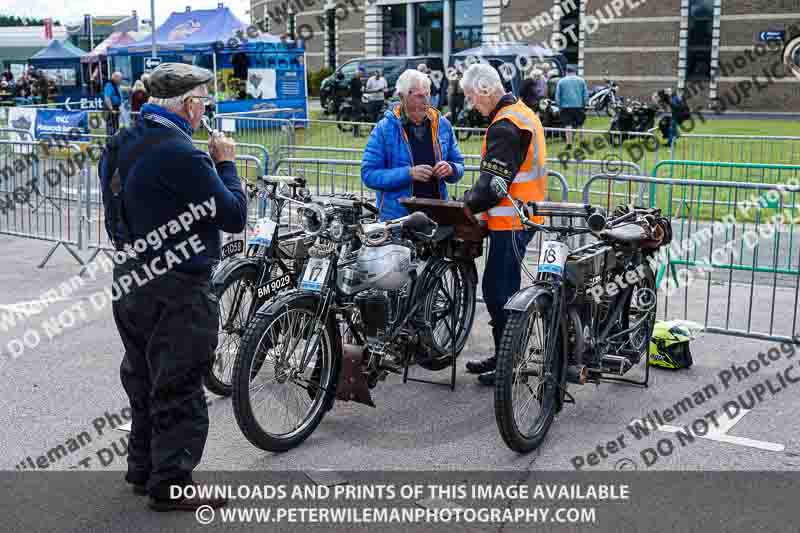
pixel 169 80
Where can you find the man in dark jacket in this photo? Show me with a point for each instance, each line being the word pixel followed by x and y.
pixel 514 153
pixel 356 93
pixel 161 193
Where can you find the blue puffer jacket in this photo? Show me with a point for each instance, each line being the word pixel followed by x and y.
pixel 387 161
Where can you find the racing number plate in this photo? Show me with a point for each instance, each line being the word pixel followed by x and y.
pixel 315 275
pixel 264 232
pixel 553 257
pixel 232 248
pixel 274 286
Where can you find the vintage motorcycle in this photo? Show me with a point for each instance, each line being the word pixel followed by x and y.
pixel 589 315
pixel 630 117
pixel 240 279
pixel 374 298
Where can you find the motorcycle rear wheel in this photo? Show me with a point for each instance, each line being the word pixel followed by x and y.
pixel 451 283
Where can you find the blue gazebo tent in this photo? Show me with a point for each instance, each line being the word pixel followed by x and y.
pixel 61 62
pixel 216 39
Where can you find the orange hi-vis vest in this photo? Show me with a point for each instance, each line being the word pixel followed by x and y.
pixel 530 183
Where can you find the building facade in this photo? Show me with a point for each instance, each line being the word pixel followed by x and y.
pixel 726 53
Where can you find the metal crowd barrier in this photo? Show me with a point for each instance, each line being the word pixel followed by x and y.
pixel 752 148
pixel 734 275
pixel 729 171
pixel 42 194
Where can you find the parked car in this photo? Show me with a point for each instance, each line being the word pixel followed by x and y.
pixel 336 87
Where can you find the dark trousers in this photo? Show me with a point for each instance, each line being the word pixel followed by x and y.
pixel 169 329
pixel 502 276
pixel 358 115
pixel 112 121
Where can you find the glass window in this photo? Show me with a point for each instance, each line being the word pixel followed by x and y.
pixel 571 19
pixel 394 30
pixel 467 24
pixel 349 69
pixel 701 23
pixel 428 28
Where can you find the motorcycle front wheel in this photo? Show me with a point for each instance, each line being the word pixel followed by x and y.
pixel 528 376
pixel 277 401
pixel 237 298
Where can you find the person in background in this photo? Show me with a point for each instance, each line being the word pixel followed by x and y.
pixel 112 99
pixel 533 89
pixel 455 97
pixel 376 94
pixel 8 75
pixel 42 87
pixel 571 98
pixel 513 155
pixel 678 110
pixel 356 94
pixel 139 97
pixel 435 86
pixel 547 71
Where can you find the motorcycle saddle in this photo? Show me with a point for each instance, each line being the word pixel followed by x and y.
pixel 629 234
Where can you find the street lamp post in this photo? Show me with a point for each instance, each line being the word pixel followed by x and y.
pixel 153 26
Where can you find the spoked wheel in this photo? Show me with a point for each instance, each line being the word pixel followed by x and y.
pixel 278 400
pixel 450 309
pixel 528 377
pixel 237 299
pixel 640 309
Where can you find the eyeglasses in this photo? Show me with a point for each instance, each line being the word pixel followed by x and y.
pixel 204 99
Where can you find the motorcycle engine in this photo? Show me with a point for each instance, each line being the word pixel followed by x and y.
pixel 374 308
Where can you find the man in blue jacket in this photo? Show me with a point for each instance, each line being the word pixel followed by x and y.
pixel 412 151
pixel 160 193
pixel 112 98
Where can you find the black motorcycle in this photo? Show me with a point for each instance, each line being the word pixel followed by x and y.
pixel 374 297
pixel 569 327
pixel 243 281
pixel 468 121
pixel 369 113
pixel 631 117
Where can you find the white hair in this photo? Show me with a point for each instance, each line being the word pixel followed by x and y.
pixel 176 102
pixel 412 79
pixel 482 78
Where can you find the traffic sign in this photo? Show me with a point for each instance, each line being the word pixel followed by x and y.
pixel 772 36
pixel 151 62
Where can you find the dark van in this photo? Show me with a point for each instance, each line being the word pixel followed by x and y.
pixel 336 87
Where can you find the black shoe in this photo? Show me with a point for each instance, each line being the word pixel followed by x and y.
pixel 186 504
pixel 484 365
pixel 487 378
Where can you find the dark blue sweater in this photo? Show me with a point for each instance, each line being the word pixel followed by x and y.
pixel 163 173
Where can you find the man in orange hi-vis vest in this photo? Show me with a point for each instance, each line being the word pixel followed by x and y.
pixel 513 151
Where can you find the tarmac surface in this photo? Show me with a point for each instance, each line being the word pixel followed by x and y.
pixel 68 385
